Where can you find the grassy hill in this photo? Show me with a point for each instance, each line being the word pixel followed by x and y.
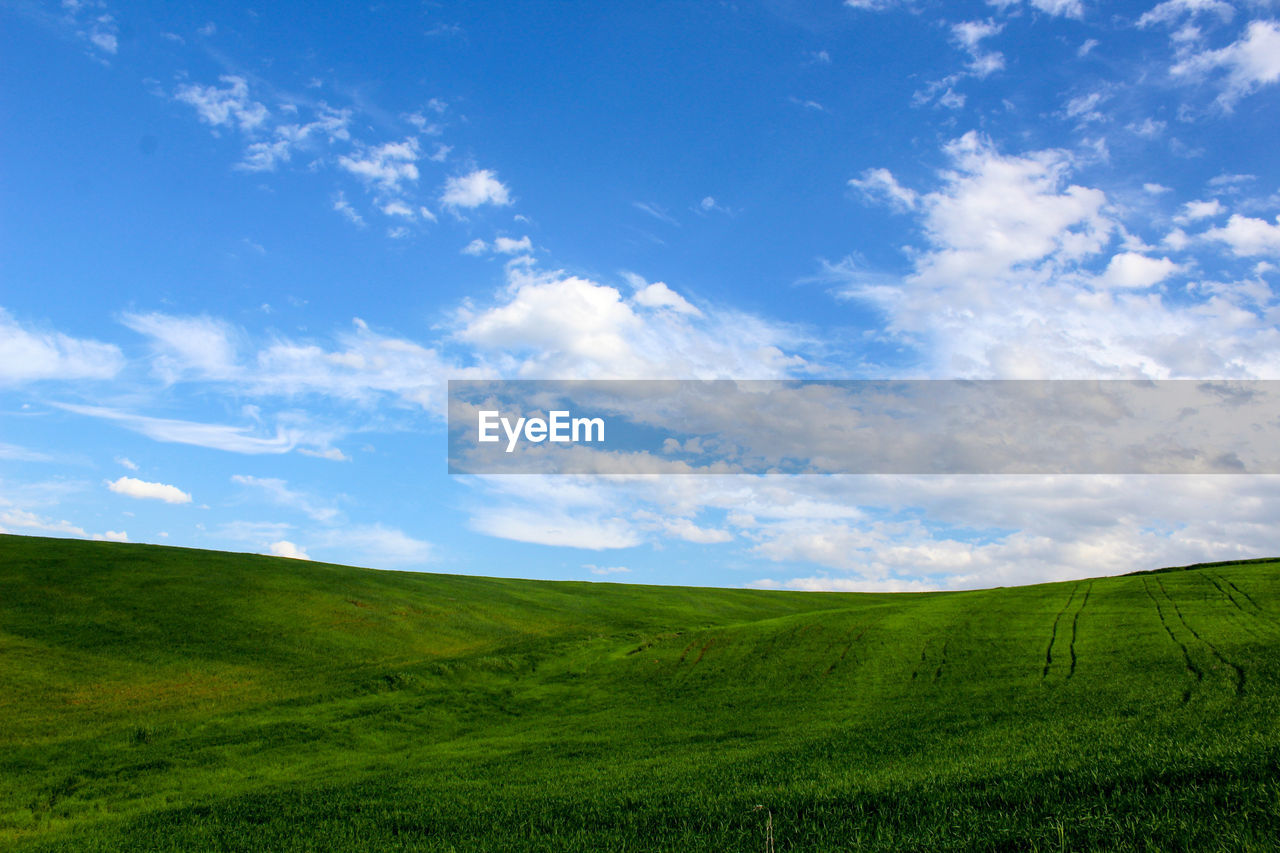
pixel 170 699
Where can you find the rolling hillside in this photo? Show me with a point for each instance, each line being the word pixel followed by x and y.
pixel 169 699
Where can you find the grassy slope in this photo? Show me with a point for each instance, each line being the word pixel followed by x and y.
pixel 167 699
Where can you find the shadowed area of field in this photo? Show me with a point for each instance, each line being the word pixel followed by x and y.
pixel 168 699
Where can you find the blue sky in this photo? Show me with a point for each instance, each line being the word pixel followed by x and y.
pixel 245 248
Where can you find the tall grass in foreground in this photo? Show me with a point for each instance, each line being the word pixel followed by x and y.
pixel 167 699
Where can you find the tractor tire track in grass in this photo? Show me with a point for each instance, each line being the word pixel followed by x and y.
pixel 1245 618
pixel 924 656
pixel 704 649
pixel 847 647
pixel 1259 611
pixel 1186 656
pixel 1075 625
pixel 1053 634
pixel 1239 671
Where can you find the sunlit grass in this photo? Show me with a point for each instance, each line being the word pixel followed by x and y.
pixel 166 699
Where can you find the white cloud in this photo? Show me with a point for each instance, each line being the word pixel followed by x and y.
pixel 232 439
pixel 474 189
pixel 1084 107
pixel 278 492
pixel 1148 128
pixel 15 520
pixel 285 548
pixel 658 295
pixel 134 488
pixel 28 355
pixel 510 246
pixel 655 211
pixel 998 212
pixel 397 208
pixel 230 106
pixel 551 324
pixel 200 346
pixel 1193 210
pixel 1131 270
pixel 1060 8
pixel 545 527
pixel 873 5
pixel 969 35
pixel 1250 63
pixel 1004 284
pixel 683 528
pixel 475 248
pixel 605 570
pixel 1247 236
pixel 881 185
pixel 264 156
pixel 1172 11
pixel 112 536
pixel 342 206
pixel 104 41
pixel 91 21
pixel 16 453
pixel 388 166
pixel 375 545
pixel 126 462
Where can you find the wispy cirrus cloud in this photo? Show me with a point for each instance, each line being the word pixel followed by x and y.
pixel 278 492
pixel 233 439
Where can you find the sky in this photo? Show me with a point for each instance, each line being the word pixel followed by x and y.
pixel 243 249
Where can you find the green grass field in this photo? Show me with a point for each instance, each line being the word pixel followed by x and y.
pixel 169 699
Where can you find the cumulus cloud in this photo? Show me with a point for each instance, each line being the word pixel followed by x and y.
pixel 1006 284
pixel 134 488
pixel 552 324
pixel 474 189
pixel 28 355
pixel 285 548
pixel 1248 237
pixel 112 536
pixel 1132 270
